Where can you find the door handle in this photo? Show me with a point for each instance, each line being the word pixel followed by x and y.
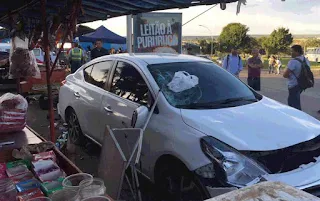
pixel 76 94
pixel 108 109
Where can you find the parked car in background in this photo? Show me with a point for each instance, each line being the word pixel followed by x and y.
pixel 5 81
pixel 4 65
pixel 39 54
pixel 204 56
pixel 313 54
pixel 219 133
pixel 5 47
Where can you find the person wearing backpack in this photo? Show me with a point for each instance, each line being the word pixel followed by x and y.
pixel 233 63
pixel 299 76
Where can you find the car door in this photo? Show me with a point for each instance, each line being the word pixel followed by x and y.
pixel 128 90
pixel 95 78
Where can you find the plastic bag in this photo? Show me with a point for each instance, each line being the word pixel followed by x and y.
pixel 13 112
pixel 23 62
pixel 182 81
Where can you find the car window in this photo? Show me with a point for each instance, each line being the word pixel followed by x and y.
pixel 87 74
pixel 99 73
pixel 129 84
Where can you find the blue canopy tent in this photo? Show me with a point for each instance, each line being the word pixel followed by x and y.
pixel 104 34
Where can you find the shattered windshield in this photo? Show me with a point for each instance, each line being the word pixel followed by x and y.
pixel 200 85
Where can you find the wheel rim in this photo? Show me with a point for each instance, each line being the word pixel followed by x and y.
pixel 183 188
pixel 74 128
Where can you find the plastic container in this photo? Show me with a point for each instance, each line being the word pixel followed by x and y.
pixel 8 191
pixel 40 199
pixel 73 181
pixel 66 195
pixel 97 198
pixel 92 187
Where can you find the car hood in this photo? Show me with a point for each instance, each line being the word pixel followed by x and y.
pixel 262 126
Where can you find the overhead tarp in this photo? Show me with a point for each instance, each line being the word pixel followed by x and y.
pixel 81 30
pixel 94 10
pixel 103 34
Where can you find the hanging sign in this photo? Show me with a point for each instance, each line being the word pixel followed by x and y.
pixel 157 32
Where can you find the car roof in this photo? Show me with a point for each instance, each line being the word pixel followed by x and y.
pixel 154 58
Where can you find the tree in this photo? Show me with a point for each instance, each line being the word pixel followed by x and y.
pixel 251 44
pixel 234 35
pixel 205 46
pixel 266 45
pixel 279 41
pixel 312 42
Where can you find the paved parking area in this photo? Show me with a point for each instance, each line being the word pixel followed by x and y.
pixel 275 87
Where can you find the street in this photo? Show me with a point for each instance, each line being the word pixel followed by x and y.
pixel 274 86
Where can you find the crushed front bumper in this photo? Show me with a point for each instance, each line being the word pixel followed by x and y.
pixel 306 177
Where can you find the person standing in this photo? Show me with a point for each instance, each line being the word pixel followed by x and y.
pixel 271 64
pixel 254 65
pixel 98 51
pixel 233 63
pixel 292 73
pixel 76 57
pixel 278 65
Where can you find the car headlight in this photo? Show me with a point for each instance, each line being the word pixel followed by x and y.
pixel 240 170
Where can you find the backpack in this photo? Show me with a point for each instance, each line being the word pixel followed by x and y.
pixel 228 60
pixel 306 78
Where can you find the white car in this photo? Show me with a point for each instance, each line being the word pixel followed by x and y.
pixel 219 133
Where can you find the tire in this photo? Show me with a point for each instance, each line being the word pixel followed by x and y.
pixel 44 102
pixel 168 181
pixel 75 135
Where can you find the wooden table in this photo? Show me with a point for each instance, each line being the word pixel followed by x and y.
pixel 29 136
pixel 24 137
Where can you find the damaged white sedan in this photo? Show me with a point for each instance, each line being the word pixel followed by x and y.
pixel 212 131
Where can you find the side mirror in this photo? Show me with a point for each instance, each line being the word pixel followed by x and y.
pixel 139 117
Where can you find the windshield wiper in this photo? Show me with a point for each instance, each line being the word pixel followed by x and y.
pixel 232 100
pixel 216 104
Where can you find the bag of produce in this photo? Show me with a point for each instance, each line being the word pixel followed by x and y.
pixel 13 111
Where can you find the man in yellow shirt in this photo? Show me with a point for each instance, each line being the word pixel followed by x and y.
pixel 76 57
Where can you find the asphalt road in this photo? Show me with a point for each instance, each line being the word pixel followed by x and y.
pixel 275 87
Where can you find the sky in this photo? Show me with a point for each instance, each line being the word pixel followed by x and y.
pixel 261 16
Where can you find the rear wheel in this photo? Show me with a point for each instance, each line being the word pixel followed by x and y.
pixel 177 183
pixel 75 134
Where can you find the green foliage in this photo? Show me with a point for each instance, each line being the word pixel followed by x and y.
pixel 205 46
pixel 234 35
pixel 251 44
pixel 278 42
pixel 312 42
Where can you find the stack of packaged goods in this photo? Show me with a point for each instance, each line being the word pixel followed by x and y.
pixel 23 180
pixel 41 179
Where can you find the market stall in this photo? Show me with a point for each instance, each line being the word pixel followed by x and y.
pixel 56 21
pixel 31 167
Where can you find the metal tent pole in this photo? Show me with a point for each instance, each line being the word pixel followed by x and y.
pixel 47 62
pixel 129 33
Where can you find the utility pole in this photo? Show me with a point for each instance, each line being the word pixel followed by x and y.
pixel 211 37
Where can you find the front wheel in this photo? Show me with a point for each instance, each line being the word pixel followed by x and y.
pixel 177 183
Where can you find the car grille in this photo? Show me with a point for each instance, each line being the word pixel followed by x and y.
pixel 289 158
